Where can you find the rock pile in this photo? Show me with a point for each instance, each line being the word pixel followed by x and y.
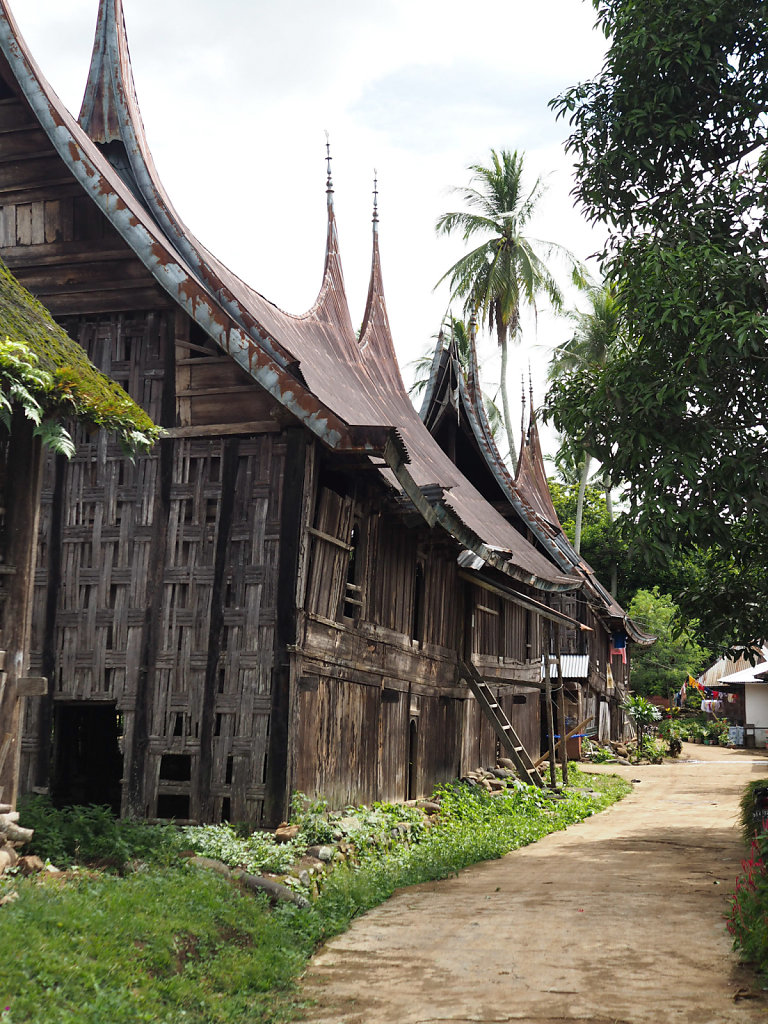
pixel 494 780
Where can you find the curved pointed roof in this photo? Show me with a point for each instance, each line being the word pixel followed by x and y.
pixel 110 106
pixel 348 392
pixel 531 475
pixel 528 493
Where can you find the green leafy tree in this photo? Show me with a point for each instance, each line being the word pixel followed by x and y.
pixel 588 349
pixel 678 652
pixel 602 544
pixel 607 544
pixel 669 142
pixel 508 269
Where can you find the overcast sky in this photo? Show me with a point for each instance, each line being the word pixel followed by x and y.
pixel 236 96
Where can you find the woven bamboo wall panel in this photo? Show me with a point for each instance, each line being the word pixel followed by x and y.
pixel 106 536
pixel 129 348
pixel 244 644
pixel 211 639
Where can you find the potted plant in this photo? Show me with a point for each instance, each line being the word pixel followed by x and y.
pixel 642 712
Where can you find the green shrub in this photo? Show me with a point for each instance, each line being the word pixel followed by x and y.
pixel 717 732
pixel 747 808
pixel 90 834
pixel 747 920
pixel 254 853
pixel 748 917
pixel 687 729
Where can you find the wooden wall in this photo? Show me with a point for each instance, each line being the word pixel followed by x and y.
pixel 156 593
pixel 379 714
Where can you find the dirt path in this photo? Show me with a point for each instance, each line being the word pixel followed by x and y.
pixel 619 920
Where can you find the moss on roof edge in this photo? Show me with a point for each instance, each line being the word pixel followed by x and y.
pixel 79 389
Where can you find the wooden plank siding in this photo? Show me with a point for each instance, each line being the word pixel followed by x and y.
pixel 395 663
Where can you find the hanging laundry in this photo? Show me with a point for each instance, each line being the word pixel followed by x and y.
pixel 619 646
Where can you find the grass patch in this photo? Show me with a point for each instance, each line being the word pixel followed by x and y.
pixel 88 835
pixel 175 945
pixel 165 946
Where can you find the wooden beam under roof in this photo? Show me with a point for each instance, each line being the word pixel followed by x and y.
pixel 526 602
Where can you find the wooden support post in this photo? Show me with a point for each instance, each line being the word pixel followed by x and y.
pixel 561 711
pixel 42 766
pixel 572 732
pixel 548 702
pixel 277 798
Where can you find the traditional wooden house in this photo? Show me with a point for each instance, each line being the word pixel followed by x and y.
pixel 44 377
pixel 285 592
pixel 595 661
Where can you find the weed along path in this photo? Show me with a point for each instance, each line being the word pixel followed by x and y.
pixel 618 920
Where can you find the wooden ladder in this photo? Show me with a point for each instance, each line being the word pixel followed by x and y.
pixel 502 726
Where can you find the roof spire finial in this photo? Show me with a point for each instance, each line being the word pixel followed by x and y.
pixel 530 387
pixel 375 196
pixel 522 415
pixel 473 324
pixel 328 158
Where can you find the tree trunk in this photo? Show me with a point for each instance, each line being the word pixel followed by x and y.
pixel 614 566
pixel 23 475
pixel 503 336
pixel 580 502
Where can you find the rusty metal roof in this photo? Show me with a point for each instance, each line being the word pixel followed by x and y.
pixel 735 664
pixel 347 391
pixel 531 474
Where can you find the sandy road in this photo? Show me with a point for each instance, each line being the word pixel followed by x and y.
pixel 618 920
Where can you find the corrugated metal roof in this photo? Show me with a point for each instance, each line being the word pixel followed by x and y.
pixel 724 669
pixel 752 674
pixel 575 666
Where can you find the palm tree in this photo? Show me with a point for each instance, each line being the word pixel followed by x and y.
pixel 595 335
pixel 507 269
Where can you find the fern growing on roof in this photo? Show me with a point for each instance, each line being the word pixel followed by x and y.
pixel 49 376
